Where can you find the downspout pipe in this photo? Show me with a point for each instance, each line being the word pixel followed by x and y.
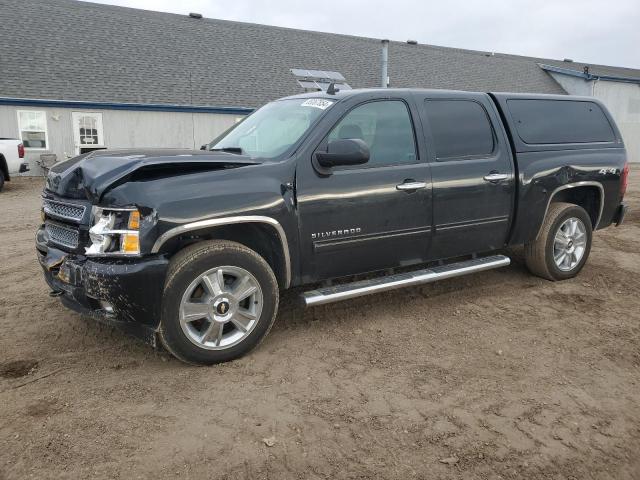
pixel 385 64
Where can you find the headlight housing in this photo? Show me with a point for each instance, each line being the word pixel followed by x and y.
pixel 115 232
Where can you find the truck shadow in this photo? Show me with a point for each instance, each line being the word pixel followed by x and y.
pixel 292 312
pixel 444 295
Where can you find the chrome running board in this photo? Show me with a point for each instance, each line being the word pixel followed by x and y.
pixel 346 291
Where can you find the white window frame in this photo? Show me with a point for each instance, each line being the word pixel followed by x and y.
pixel 76 132
pixel 46 129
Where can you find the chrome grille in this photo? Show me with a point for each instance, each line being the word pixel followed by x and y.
pixel 65 236
pixel 65 211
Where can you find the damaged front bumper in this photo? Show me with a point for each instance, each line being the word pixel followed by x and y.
pixel 125 293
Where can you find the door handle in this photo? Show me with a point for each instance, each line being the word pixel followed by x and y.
pixel 411 186
pixel 495 177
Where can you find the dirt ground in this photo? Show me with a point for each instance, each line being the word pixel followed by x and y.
pixel 497 375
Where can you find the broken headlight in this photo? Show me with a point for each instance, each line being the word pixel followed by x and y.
pixel 115 232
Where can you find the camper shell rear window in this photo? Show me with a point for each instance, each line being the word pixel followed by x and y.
pixel 560 121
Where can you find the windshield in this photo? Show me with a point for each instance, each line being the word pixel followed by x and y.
pixel 271 130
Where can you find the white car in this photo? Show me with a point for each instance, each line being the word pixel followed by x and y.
pixel 11 159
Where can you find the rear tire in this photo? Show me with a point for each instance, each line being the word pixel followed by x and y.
pixel 1 180
pixel 563 244
pixel 220 300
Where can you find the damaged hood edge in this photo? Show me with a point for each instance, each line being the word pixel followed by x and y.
pixel 94 173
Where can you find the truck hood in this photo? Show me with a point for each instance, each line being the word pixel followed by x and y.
pixel 92 174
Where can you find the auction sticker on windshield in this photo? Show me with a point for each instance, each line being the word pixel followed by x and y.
pixel 320 103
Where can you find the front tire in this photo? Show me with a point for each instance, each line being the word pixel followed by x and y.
pixel 563 244
pixel 220 300
pixel 1 180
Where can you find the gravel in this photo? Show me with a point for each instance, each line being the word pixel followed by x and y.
pixel 496 375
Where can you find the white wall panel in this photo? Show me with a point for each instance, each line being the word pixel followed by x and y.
pixel 122 129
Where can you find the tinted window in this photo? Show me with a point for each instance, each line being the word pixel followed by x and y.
pixel 460 128
pixel 385 127
pixel 560 121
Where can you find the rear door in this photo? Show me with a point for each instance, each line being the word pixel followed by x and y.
pixel 472 173
pixel 372 216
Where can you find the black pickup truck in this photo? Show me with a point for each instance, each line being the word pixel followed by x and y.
pixel 192 248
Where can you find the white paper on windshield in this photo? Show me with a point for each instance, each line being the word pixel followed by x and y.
pixel 320 103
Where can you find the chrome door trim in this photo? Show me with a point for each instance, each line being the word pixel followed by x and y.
pixel 359 240
pixel 574 185
pixel 471 223
pixel 216 222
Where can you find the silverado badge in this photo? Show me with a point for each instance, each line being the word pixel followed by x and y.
pixel 336 233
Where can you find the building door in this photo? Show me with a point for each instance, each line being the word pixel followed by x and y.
pixel 88 134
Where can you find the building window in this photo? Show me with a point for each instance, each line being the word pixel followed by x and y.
pixel 89 131
pixel 33 129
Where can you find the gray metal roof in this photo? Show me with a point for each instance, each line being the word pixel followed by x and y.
pixel 70 50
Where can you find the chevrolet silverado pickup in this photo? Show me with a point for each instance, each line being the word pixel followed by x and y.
pixel 11 159
pixel 190 249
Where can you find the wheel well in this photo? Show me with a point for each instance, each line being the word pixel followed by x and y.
pixel 4 168
pixel 588 197
pixel 259 237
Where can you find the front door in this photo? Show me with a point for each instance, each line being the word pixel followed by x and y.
pixel 472 173
pixel 88 133
pixel 372 216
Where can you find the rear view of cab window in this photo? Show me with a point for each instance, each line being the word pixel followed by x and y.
pixel 460 129
pixel 560 121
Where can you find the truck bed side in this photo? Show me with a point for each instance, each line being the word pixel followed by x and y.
pixel 571 151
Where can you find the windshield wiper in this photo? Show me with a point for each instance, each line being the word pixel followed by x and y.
pixel 236 150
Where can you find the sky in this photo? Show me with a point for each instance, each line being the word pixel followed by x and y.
pixel 590 31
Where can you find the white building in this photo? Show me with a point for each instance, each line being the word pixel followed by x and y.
pixel 78 76
pixel 621 95
pixel 68 128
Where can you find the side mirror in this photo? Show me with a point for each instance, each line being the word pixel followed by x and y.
pixel 348 151
pixel 204 147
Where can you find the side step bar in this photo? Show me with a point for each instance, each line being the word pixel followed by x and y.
pixel 407 279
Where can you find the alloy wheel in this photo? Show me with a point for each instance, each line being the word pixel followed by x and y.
pixel 569 244
pixel 221 307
